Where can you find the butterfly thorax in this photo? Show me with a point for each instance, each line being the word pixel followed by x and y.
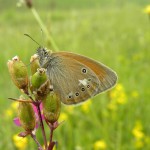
pixel 44 56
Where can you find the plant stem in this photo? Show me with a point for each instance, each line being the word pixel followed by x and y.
pixel 38 19
pixel 51 143
pixel 36 141
pixel 42 126
pixel 51 134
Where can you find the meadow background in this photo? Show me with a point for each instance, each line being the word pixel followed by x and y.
pixel 115 32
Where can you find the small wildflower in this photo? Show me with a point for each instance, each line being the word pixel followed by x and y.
pixel 147 10
pixel 19 142
pixel 137 130
pixel 9 113
pixel 14 105
pixel 121 98
pixel 100 145
pixel 63 117
pixel 138 135
pixel 85 106
pixel 117 96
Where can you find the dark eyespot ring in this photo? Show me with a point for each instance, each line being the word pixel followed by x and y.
pixel 82 89
pixel 69 96
pixel 84 70
pixel 77 94
pixel 88 86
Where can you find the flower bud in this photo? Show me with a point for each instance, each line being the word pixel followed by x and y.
pixel 40 85
pixel 18 72
pixel 38 79
pixel 51 107
pixel 27 116
pixel 34 63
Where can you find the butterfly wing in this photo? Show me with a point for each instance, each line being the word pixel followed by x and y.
pixel 74 81
pixel 106 76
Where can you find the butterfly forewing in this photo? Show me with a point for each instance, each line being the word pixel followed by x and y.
pixel 107 76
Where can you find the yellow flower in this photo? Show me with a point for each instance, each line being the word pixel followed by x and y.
pixel 19 142
pixel 85 106
pixel 14 105
pixel 9 113
pixel 122 99
pixel 147 10
pixel 119 87
pixel 100 145
pixel 63 116
pixel 117 96
pixel 137 131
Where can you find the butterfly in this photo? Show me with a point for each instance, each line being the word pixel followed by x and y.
pixel 75 77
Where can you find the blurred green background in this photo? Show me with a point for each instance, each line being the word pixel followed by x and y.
pixel 115 32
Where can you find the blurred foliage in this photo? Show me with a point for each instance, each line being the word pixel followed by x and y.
pixel 116 33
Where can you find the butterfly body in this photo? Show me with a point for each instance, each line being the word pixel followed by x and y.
pixel 75 77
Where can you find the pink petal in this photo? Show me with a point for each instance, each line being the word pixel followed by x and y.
pixel 17 122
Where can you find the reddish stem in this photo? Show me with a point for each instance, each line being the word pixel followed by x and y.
pixel 42 125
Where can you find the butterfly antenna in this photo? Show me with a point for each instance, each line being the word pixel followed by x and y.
pixel 32 38
pixel 42 37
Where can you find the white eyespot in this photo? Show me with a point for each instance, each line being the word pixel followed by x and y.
pixel 83 82
pixel 88 86
pixel 77 94
pixel 51 88
pixel 82 89
pixel 70 95
pixel 84 70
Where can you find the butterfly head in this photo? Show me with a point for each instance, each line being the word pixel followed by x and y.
pixel 44 55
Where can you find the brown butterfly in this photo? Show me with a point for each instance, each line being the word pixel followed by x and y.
pixel 75 77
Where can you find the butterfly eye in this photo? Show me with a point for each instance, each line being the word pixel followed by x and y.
pixel 88 86
pixel 82 89
pixel 84 70
pixel 77 94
